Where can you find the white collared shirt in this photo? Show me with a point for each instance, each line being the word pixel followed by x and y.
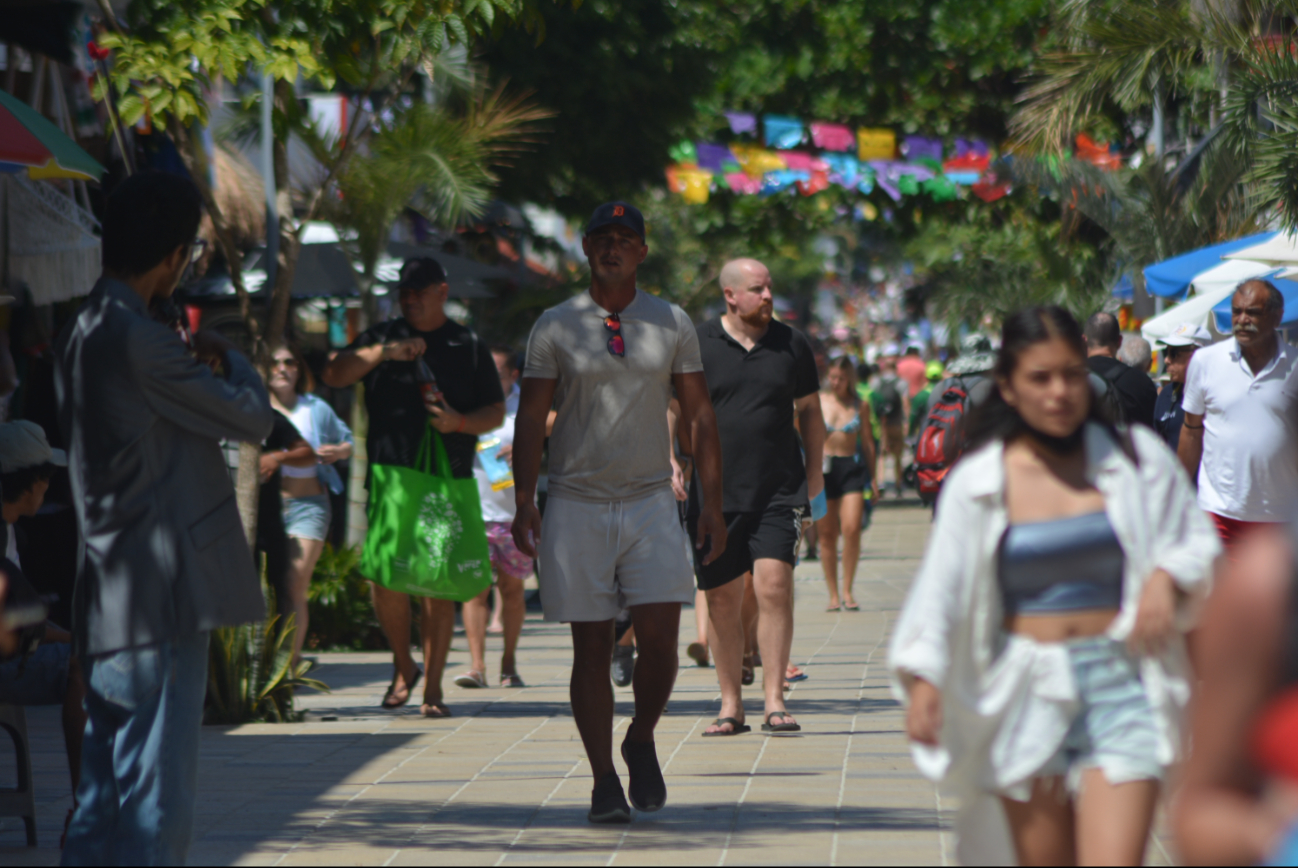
pixel 1249 471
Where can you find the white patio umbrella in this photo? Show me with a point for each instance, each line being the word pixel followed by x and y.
pixel 1281 249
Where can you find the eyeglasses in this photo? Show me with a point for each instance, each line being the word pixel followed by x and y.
pixel 197 249
pixel 616 345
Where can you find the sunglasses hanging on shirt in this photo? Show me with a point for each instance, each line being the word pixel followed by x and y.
pixel 616 345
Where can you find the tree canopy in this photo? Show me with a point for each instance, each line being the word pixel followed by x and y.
pixel 633 77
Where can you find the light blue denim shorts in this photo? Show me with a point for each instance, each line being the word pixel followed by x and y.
pixel 1114 730
pixel 308 517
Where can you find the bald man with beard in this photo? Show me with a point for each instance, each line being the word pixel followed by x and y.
pixel 764 387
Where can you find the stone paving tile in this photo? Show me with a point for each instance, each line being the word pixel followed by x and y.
pixel 505 782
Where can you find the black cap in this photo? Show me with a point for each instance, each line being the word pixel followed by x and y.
pixel 619 213
pixel 420 271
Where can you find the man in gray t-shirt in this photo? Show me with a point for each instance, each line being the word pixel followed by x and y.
pixel 607 361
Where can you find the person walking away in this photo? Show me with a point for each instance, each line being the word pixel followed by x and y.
pixel 1235 804
pixel 849 457
pixel 608 360
pixel 1234 439
pixel 307 511
pixel 919 405
pixel 891 403
pixel 1040 651
pixel 912 371
pixel 941 439
pixel 48 673
pixel 1178 348
pixel 509 565
pixel 164 559
pixel 1136 353
pixel 761 376
pixel 1134 394
pixel 467 401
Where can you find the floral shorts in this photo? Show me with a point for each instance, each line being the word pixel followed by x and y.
pixel 505 556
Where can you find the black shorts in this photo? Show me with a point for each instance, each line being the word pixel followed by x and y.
pixel 774 533
pixel 845 474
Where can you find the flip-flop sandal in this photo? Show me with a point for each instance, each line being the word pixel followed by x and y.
pixel 780 727
pixel 439 707
pixel 392 688
pixel 746 675
pixel 473 678
pixel 511 680
pixel 855 607
pixel 801 676
pixel 737 728
pixel 698 652
pixel 832 608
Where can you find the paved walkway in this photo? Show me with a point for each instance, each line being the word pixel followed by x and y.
pixel 506 782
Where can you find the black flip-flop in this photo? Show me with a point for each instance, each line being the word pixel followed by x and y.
pixel 780 727
pixel 737 727
pixel 410 691
pixel 440 707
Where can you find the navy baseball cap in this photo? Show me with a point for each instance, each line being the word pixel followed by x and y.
pixel 421 271
pixel 619 213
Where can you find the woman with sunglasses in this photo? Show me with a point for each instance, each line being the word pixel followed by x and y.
pixel 306 490
pixel 1041 649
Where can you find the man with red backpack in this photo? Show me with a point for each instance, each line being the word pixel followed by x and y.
pixel 941 441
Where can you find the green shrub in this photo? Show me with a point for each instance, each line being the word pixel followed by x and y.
pixel 250 673
pixel 339 604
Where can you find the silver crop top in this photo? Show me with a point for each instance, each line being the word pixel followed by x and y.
pixel 1065 565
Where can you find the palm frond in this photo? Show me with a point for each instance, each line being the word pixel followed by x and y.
pixel 1124 55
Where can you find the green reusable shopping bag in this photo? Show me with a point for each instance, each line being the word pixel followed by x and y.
pixel 426 534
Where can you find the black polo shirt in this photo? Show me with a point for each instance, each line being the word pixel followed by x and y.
pixel 753 393
pixel 466 375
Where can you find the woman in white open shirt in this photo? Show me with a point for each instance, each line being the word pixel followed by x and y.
pixel 1041 648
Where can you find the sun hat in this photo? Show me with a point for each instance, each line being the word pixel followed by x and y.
pixel 1187 335
pixel 23 445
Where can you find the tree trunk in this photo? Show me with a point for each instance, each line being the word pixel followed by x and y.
pixel 289 236
pixel 248 477
pixel 246 487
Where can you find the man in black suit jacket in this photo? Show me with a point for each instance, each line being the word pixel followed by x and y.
pixel 163 558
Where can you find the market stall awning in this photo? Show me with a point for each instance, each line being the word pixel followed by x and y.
pixel 1172 277
pixel 29 143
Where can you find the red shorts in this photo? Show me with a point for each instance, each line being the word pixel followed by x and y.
pixel 1232 531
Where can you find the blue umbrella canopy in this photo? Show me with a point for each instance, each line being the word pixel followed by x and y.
pixel 1171 278
pixel 1288 288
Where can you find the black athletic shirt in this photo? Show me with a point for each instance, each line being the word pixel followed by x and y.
pixel 466 375
pixel 753 394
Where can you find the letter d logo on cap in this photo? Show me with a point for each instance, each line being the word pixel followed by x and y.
pixel 618 211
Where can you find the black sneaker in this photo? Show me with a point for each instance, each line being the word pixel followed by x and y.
pixel 623 664
pixel 648 790
pixel 607 803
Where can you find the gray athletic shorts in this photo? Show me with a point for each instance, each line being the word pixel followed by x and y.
pixel 598 558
